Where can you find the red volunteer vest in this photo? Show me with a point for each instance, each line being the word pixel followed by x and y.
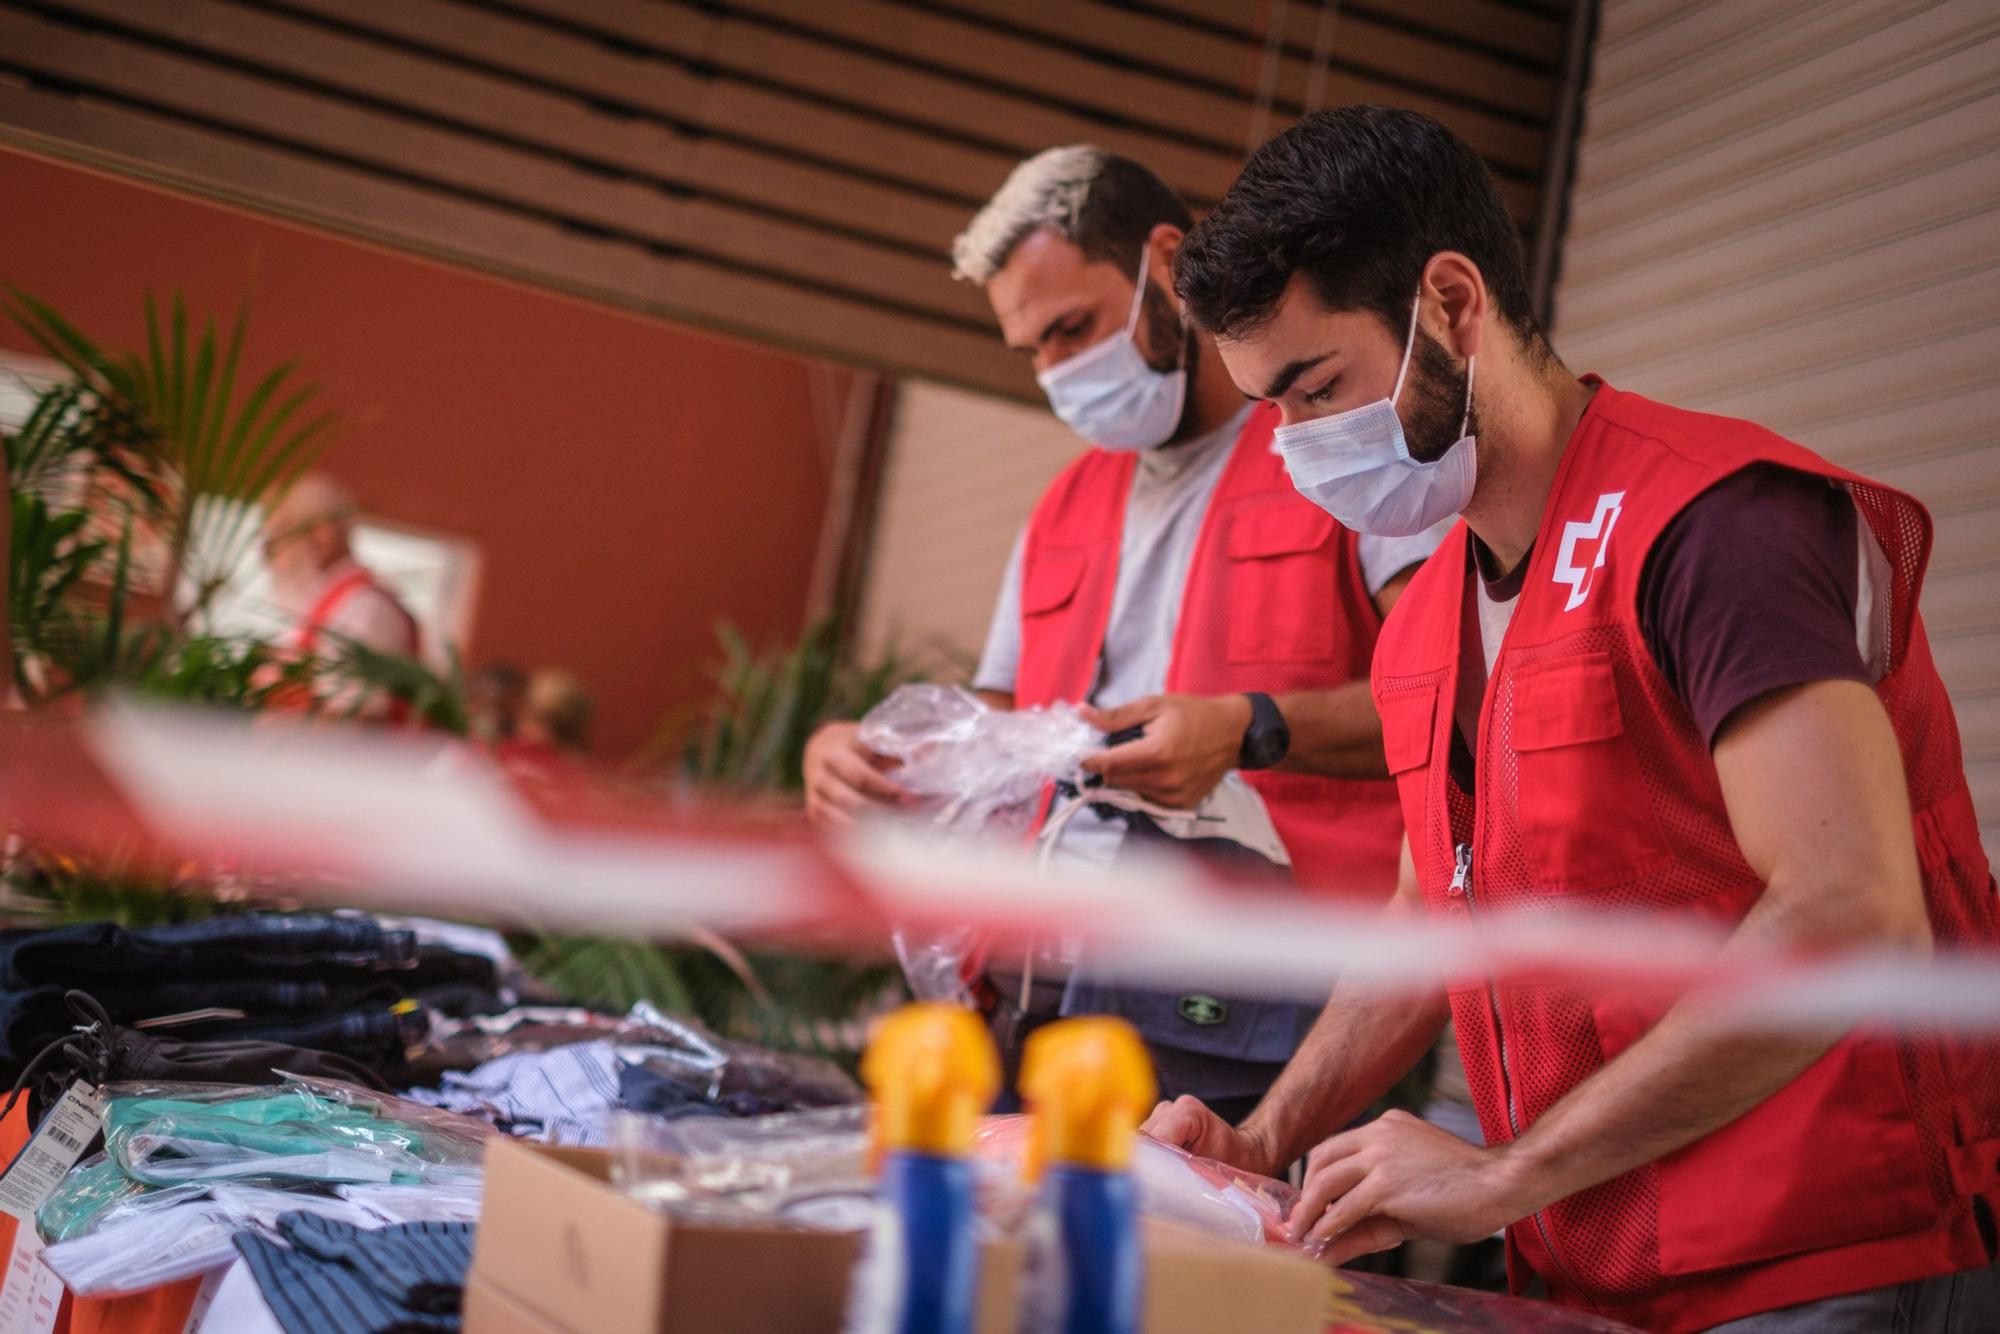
pixel 1595 789
pixel 1275 601
pixel 306 637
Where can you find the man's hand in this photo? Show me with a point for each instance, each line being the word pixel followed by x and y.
pixel 844 777
pixel 1190 743
pixel 1397 1179
pixel 1187 1123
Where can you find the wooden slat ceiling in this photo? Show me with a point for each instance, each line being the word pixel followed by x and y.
pixel 790 171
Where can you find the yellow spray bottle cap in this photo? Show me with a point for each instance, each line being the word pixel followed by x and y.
pixel 1089 1083
pixel 934 1071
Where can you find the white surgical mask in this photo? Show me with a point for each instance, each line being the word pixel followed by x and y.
pixel 1356 465
pixel 1110 396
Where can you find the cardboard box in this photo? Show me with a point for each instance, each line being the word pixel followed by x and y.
pixel 559 1251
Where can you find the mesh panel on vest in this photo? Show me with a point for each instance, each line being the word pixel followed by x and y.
pixel 1948 1071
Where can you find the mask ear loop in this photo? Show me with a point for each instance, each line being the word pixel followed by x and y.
pixel 1409 343
pixel 1138 290
pixel 1463 422
pixel 1139 300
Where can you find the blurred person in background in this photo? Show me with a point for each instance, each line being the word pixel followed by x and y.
pixel 1173 580
pixel 309 550
pixel 553 727
pixel 308 547
pixel 493 702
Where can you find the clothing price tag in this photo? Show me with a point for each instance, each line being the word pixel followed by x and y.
pixel 204 1298
pixel 31 1296
pixel 58 1142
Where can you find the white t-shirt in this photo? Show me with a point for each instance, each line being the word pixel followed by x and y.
pixel 1171 489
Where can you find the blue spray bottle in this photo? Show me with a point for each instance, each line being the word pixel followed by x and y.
pixel 933 1071
pixel 1087 1084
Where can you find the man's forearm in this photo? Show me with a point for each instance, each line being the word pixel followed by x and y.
pixel 1335 733
pixel 1816 795
pixel 1693 1072
pixel 1363 1042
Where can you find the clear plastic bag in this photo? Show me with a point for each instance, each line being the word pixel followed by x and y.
pixel 808 1168
pixel 94 1189
pixel 934 962
pixel 976 768
pixel 1173 1185
pixel 744 1077
pixel 310 1130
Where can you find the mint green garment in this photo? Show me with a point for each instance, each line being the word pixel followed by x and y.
pixel 88 1190
pixel 281 1134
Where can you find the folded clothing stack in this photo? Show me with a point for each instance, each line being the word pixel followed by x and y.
pixel 322 1276
pixel 646 1062
pixel 186 1170
pixel 342 984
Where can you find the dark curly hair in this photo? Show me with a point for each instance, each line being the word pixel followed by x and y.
pixel 1358 199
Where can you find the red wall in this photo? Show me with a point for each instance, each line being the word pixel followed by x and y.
pixel 628 481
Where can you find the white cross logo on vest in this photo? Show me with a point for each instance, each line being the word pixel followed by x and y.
pixel 1609 506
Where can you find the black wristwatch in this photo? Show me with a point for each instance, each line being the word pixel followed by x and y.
pixel 1266 741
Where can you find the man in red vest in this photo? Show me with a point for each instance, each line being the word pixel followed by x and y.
pixel 308 547
pixel 1174 579
pixel 1669 664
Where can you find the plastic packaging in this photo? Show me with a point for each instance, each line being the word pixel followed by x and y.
pixel 977 768
pixel 1173 1185
pixel 310 1130
pixel 934 962
pixel 94 1187
pixel 494 1060
pixel 808 1168
pixel 734 1073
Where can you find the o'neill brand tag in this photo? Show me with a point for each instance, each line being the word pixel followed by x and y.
pixel 57 1143
pixel 1205 1011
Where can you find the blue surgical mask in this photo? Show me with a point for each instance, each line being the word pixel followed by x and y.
pixel 1356 465
pixel 1110 396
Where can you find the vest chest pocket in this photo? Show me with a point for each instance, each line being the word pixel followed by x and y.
pixel 1409 731
pixel 1281 584
pixel 1049 582
pixel 1585 817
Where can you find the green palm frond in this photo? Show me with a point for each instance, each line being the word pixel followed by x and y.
pixel 199 457
pixel 435 699
pixel 752 737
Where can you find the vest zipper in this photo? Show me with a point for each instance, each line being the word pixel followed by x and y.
pixel 1461 887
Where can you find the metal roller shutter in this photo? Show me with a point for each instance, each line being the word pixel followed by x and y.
pixel 1789 210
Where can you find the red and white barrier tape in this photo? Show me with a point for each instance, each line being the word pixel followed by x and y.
pixel 410 823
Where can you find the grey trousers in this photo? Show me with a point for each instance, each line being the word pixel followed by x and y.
pixel 1962 1303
